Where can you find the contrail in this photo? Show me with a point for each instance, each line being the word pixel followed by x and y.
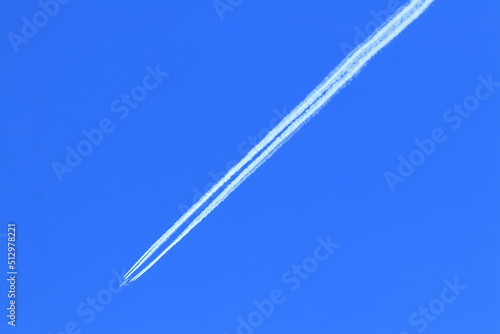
pixel 318 98
pixel 271 135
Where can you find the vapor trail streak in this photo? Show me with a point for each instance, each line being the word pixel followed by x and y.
pixel 318 98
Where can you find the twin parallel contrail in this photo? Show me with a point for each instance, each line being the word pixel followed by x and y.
pixel 317 99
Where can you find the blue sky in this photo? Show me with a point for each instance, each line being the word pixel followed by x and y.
pixel 418 253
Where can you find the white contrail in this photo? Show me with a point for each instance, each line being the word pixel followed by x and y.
pixel 271 135
pixel 290 124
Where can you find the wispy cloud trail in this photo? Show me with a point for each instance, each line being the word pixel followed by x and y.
pixel 318 98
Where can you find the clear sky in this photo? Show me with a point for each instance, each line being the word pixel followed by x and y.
pixel 379 216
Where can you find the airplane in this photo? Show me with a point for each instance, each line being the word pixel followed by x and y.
pixel 124 282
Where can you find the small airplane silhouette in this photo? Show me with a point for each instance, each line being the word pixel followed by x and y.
pixel 124 282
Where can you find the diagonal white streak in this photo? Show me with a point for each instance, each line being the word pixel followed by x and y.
pixel 318 98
